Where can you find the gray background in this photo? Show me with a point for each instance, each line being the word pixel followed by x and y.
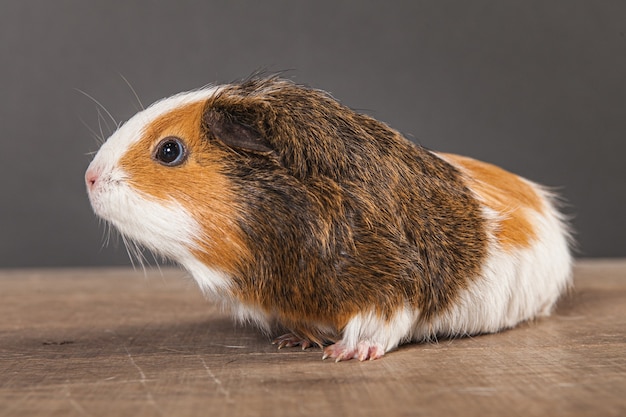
pixel 537 87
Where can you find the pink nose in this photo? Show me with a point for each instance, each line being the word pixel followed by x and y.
pixel 91 177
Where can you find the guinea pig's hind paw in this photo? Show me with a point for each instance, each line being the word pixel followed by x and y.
pixel 291 340
pixel 364 350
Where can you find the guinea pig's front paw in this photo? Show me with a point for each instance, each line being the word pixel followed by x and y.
pixel 364 350
pixel 291 340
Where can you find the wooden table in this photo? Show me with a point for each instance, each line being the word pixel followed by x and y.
pixel 114 342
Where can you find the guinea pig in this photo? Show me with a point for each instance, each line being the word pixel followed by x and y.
pixel 301 214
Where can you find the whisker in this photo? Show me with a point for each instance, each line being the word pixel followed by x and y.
pixel 135 253
pixel 99 104
pixel 139 253
pixel 156 263
pixel 129 251
pixel 109 232
pixel 99 138
pixel 101 120
pixel 106 233
pixel 133 91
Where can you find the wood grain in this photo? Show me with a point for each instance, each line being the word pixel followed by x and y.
pixel 114 342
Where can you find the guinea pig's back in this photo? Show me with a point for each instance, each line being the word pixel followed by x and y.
pixel 528 262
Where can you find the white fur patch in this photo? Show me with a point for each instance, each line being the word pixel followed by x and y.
pixel 212 282
pixel 164 227
pixel 372 328
pixel 249 314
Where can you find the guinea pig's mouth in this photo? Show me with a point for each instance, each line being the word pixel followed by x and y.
pixel 101 196
pixel 163 227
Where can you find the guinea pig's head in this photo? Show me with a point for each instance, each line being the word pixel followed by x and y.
pixel 161 180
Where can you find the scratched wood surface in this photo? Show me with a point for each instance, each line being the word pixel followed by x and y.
pixel 114 342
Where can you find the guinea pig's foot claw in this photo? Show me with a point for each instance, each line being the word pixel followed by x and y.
pixel 291 340
pixel 365 350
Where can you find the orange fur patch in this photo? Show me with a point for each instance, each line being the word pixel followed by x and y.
pixel 197 184
pixel 507 194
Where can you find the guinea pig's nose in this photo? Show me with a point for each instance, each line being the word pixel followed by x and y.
pixel 91 177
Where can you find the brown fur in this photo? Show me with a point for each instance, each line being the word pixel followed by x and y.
pixel 341 214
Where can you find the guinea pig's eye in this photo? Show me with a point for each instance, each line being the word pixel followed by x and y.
pixel 170 151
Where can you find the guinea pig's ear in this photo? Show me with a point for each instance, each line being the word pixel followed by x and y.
pixel 226 128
